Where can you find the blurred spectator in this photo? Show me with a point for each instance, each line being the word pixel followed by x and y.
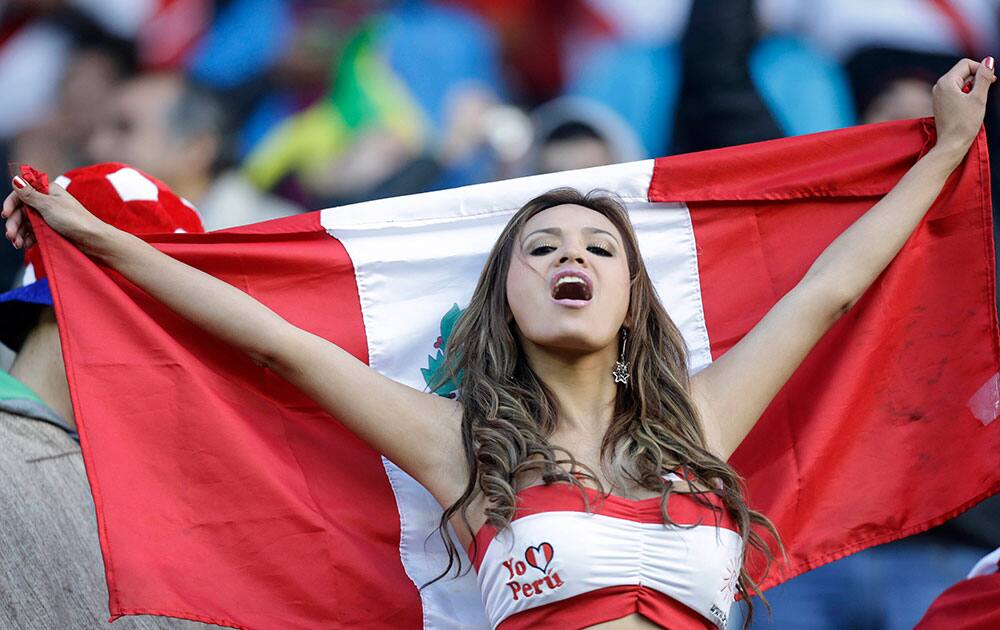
pixel 56 69
pixel 483 140
pixel 362 131
pixel 538 38
pixel 720 105
pixel 840 27
pixel 805 89
pixel 639 81
pixel 271 90
pixel 594 49
pixel 97 64
pixel 887 587
pixel 387 126
pixel 573 133
pixel 164 124
pixel 33 55
pixel 893 84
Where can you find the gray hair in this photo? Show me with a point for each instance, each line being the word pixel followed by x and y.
pixel 197 111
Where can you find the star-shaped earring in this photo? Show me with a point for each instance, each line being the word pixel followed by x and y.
pixel 620 371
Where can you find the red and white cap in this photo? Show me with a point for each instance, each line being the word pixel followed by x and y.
pixel 126 198
pixel 116 193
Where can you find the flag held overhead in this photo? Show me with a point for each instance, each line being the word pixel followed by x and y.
pixel 225 495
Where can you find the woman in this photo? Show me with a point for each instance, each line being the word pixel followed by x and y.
pixel 564 349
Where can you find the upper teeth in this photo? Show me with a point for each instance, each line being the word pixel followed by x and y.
pixel 566 279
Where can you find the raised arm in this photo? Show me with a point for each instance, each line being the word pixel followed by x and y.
pixel 733 392
pixel 419 432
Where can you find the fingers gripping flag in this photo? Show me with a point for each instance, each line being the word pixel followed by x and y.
pixel 225 495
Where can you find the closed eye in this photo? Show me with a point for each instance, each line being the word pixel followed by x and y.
pixel 600 251
pixel 541 250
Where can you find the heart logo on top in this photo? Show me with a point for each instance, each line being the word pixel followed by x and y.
pixel 540 556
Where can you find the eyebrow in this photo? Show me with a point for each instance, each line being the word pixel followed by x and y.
pixel 558 232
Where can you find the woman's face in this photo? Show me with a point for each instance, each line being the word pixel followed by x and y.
pixel 568 282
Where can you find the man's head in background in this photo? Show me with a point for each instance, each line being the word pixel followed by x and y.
pixel 164 124
pixel 891 84
pixel 97 63
pixel 573 145
pixel 573 133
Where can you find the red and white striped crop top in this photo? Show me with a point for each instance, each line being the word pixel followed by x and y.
pixel 562 567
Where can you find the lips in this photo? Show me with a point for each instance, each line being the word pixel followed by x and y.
pixel 571 287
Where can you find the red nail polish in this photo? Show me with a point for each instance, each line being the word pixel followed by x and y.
pixel 988 62
pixel 19 183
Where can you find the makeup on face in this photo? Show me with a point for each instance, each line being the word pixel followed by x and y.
pixel 531 247
pixel 568 281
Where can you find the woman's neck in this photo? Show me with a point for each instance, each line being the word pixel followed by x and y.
pixel 581 384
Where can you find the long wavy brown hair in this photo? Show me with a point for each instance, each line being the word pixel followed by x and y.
pixel 509 413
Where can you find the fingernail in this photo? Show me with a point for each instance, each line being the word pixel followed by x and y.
pixel 19 183
pixel 988 62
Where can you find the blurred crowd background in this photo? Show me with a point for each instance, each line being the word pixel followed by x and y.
pixel 255 109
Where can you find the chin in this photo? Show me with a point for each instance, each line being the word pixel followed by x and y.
pixel 552 326
pixel 577 337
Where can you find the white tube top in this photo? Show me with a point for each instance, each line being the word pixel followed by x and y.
pixel 559 566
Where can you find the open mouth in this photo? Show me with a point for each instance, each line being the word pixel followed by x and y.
pixel 572 286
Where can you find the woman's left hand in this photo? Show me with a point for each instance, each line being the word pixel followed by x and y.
pixel 959 115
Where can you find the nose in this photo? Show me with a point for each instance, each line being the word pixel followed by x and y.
pixel 572 252
pixel 573 249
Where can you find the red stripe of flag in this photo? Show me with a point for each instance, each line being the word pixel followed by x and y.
pixel 872 438
pixel 228 496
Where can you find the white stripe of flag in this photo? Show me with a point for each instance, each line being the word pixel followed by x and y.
pixel 414 257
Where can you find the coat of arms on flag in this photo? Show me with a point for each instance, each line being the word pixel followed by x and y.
pixel 435 362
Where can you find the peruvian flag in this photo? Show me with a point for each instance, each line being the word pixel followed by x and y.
pixel 224 495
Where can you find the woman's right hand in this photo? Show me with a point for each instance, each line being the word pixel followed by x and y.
pixel 60 210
